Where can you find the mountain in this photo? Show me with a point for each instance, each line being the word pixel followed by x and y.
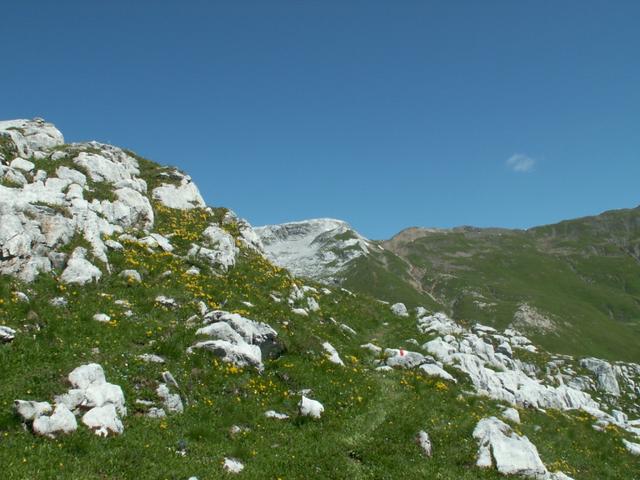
pixel 146 335
pixel 574 286
pixel 317 249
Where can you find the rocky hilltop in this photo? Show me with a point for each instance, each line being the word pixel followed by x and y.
pixel 144 334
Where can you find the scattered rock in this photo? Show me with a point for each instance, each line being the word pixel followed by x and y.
pixel 511 414
pixel 400 309
pixel 21 296
pixel 58 302
pixel 310 408
pixel 102 317
pixel 131 276
pixel 166 301
pixel 232 465
pixel 150 358
pixel 376 350
pixel 347 329
pixel 171 401
pixel 332 354
pixel 424 442
pixel 276 415
pixel 7 334
pixel 401 358
pixel 499 446
pixel 155 412
pixel 193 271
pixel 313 304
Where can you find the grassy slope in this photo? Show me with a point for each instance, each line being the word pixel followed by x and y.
pixel 584 274
pixel 370 417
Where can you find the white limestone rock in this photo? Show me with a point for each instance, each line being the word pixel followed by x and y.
pixel 313 304
pixel 605 375
pixel 433 370
pixel 376 350
pixel 511 414
pixel 132 276
pixel 239 340
pixel 243 355
pixel 73 399
pixel 220 250
pixel 7 334
pixel 171 401
pixel 101 317
pixel 61 421
pixel 150 358
pixel 167 302
pixel 438 323
pixel 22 164
pixel 185 196
pixel 29 410
pixel 30 136
pixel 111 166
pixel 84 376
pixel 400 309
pixel 310 408
pixel 232 465
pixel 221 331
pixel 332 354
pixel 103 420
pixel 633 448
pixel 79 270
pixel 71 175
pixel 255 333
pixel 401 358
pixel 424 442
pixel 58 302
pixel 510 453
pixel 300 311
pixel 276 415
pixel 99 395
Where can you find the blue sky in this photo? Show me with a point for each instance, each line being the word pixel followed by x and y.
pixel 385 114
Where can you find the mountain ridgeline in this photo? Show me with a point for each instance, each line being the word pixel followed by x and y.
pixel 573 286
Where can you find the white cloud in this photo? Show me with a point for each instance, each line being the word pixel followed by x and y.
pixel 521 163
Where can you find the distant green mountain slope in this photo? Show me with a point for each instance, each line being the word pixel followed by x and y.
pixel 573 286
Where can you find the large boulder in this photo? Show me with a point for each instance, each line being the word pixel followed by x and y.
pixel 500 447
